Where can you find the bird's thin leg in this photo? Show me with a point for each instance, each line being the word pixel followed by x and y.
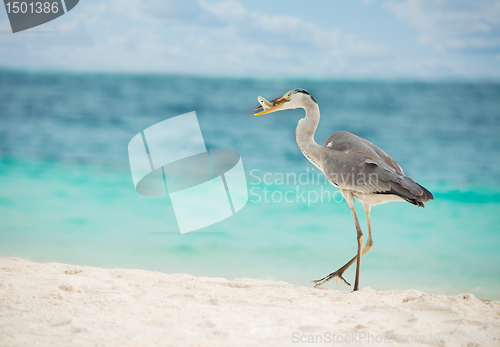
pixel 369 245
pixel 369 242
pixel 360 247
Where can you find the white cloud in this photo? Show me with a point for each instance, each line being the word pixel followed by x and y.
pixel 198 37
pixel 459 25
pixel 287 43
pixel 223 37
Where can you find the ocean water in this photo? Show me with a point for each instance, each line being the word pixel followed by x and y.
pixel 66 192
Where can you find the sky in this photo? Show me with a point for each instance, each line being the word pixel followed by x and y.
pixel 388 39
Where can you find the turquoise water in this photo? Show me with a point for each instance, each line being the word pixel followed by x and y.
pixel 66 193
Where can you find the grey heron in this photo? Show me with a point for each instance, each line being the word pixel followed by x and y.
pixel 358 168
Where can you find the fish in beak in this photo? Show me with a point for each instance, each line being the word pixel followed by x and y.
pixel 270 106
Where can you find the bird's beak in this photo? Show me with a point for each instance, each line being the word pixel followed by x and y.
pixel 278 105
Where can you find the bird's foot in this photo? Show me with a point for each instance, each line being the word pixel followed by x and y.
pixel 337 275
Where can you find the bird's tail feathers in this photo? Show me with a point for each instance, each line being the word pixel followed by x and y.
pixel 410 191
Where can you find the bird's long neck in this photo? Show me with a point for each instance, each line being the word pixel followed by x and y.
pixel 305 134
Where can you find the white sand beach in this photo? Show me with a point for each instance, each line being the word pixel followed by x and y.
pixel 60 305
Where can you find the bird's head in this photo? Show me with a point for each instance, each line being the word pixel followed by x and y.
pixel 296 98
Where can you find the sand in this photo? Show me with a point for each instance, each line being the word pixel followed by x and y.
pixel 60 305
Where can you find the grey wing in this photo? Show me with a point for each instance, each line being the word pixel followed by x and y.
pixel 352 163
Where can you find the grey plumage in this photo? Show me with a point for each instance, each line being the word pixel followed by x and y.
pixel 353 163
